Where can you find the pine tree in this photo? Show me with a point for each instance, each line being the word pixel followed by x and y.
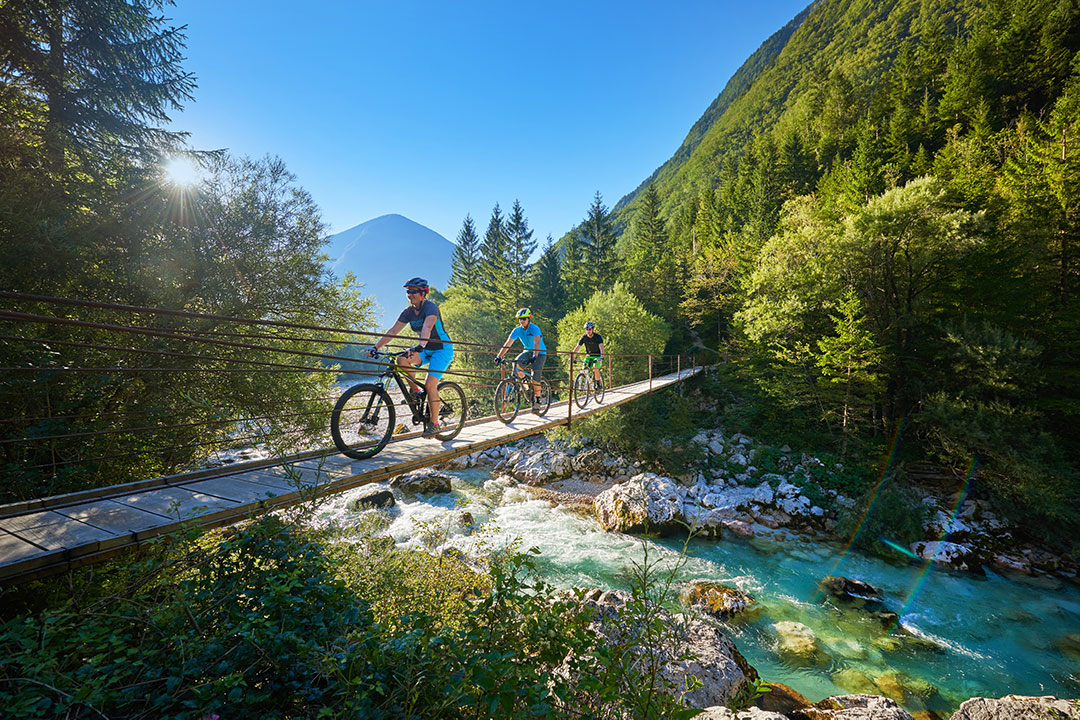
pixel 573 272
pixel 465 264
pixel 520 249
pixel 598 245
pixel 548 294
pixel 493 252
pixel 92 78
pixel 649 268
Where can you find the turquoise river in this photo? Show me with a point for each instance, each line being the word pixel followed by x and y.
pixel 959 635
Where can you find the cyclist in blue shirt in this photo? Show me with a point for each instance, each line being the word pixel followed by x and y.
pixel 534 354
pixel 433 350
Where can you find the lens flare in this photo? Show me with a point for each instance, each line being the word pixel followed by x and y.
pixel 182 172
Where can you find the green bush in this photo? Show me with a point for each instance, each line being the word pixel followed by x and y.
pixel 275 622
pixel 888 511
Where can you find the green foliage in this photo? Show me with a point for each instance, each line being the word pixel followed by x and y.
pixel 465 263
pixel 274 622
pixel 888 511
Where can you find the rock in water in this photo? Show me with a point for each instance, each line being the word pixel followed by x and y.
pixel 644 502
pixel 1018 707
pixel 372 498
pixel 852 707
pixel 424 481
pixel 854 591
pixel 716 599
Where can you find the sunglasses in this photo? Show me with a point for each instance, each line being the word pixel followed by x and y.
pixel 413 291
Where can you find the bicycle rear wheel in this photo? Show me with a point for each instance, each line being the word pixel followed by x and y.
pixel 545 398
pixel 507 400
pixel 598 390
pixel 362 421
pixel 581 390
pixel 452 411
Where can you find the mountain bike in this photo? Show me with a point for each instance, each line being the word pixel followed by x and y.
pixel 585 383
pixel 364 417
pixel 510 391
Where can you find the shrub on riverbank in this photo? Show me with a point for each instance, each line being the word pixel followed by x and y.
pixel 275 622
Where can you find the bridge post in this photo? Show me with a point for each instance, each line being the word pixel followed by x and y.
pixel 650 373
pixel 570 395
pixel 609 373
pixel 678 366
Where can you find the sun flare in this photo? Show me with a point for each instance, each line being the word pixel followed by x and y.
pixel 182 172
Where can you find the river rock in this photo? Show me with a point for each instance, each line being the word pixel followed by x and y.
pixel 645 501
pixel 1018 707
pixel 946 553
pixel 852 707
pixel 722 601
pixel 538 467
pixel 852 591
pixel 423 482
pixel 798 643
pixel 717 712
pixel 372 498
pixel 714 659
pixel 588 461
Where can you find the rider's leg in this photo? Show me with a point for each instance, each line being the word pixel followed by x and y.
pixel 438 361
pixel 537 368
pixel 408 364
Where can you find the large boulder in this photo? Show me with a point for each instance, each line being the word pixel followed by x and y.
pixel 1018 707
pixel 424 481
pixel 646 501
pixel 852 707
pixel 694 646
pixel 798 644
pixel 538 468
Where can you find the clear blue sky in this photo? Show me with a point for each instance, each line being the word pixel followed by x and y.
pixel 438 109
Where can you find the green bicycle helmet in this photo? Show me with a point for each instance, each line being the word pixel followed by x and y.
pixel 523 313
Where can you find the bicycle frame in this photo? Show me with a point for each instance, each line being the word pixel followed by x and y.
pixel 395 371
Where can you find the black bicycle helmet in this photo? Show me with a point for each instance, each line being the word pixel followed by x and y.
pixel 417 282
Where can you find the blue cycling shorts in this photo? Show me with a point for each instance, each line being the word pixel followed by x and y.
pixel 437 360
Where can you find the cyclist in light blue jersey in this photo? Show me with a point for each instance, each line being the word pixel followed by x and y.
pixel 535 352
pixel 433 350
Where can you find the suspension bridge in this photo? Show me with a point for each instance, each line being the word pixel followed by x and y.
pixel 59 532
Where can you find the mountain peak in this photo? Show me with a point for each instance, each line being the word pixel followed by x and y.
pixel 384 252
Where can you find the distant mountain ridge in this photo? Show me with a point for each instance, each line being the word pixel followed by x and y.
pixel 385 252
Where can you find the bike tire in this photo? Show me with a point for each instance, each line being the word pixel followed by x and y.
pixel 453 398
pixel 507 401
pixel 362 421
pixel 545 398
pixel 598 390
pixel 581 390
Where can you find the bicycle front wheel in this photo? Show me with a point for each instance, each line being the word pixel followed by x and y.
pixel 507 401
pixel 545 398
pixel 452 411
pixel 598 390
pixel 362 421
pixel 581 390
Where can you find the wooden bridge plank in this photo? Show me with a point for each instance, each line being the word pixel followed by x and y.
pixel 229 488
pixel 175 502
pixel 13 549
pixel 114 517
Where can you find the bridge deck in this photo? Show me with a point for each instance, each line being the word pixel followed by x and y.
pixel 49 535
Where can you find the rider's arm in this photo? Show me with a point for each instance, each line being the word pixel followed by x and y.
pixel 601 348
pixel 425 332
pixel 389 334
pixel 507 344
pixel 537 339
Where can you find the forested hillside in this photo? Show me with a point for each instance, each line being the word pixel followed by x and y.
pixel 876 223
